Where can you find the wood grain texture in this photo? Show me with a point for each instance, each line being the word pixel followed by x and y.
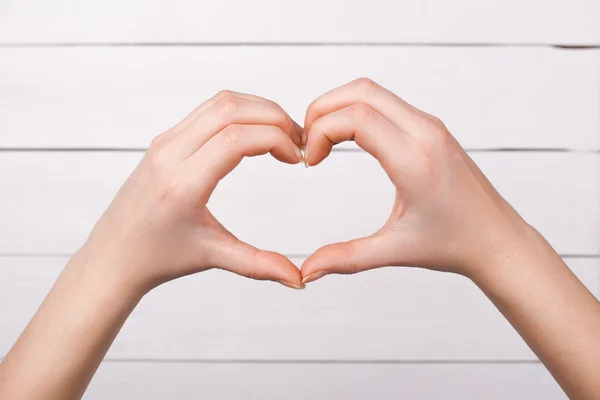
pixel 56 197
pixel 297 382
pixel 313 21
pixel 387 314
pixel 122 97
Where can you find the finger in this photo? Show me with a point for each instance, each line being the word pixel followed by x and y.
pixel 346 258
pixel 227 111
pixel 298 138
pixel 364 90
pixel 243 259
pixel 223 152
pixel 369 129
pixel 171 132
pixel 205 105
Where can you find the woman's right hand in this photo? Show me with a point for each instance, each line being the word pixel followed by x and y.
pixel 158 227
pixel 447 215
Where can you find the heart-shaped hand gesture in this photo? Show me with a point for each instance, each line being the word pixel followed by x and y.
pixel 446 215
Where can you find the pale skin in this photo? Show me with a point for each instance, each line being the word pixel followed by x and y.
pixel 447 217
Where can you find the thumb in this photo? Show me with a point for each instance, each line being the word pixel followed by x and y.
pixel 346 258
pixel 243 259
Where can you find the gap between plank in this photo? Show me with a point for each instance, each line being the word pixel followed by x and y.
pixel 302 44
pixel 69 255
pixel 323 362
pixel 334 150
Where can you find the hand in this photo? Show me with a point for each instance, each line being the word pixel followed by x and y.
pixel 447 216
pixel 158 227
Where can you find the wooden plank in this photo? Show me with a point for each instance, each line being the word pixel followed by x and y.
pixel 314 21
pixel 53 199
pixel 301 381
pixel 120 97
pixel 399 314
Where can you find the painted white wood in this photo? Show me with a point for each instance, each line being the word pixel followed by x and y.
pixel 388 21
pixel 492 97
pixel 309 381
pixel 51 200
pixel 387 314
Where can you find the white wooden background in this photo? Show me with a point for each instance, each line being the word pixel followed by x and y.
pixel 85 86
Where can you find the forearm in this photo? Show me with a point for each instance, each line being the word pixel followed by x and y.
pixel 61 348
pixel 552 310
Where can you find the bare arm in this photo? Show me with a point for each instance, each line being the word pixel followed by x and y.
pixel 156 229
pixel 552 310
pixel 61 348
pixel 447 216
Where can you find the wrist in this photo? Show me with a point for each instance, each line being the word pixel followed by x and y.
pixel 504 250
pixel 106 274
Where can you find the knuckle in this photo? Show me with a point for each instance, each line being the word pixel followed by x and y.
pixel 279 116
pixel 312 111
pixel 436 123
pixel 232 136
pixel 318 128
pixel 283 121
pixel 435 132
pixel 365 84
pixel 273 104
pixel 362 111
pixel 158 142
pixel 350 255
pixel 156 154
pixel 223 93
pixel 313 105
pixel 253 271
pixel 228 106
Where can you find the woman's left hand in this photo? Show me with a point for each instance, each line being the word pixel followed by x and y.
pixel 158 227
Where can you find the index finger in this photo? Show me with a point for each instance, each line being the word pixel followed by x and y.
pixel 222 153
pixel 364 90
pixel 298 137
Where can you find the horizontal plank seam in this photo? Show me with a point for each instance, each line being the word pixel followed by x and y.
pixel 335 149
pixel 561 46
pixel 308 361
pixel 68 255
pixel 337 362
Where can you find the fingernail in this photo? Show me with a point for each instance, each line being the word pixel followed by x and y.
pixel 293 285
pixel 306 158
pixel 299 154
pixel 314 276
